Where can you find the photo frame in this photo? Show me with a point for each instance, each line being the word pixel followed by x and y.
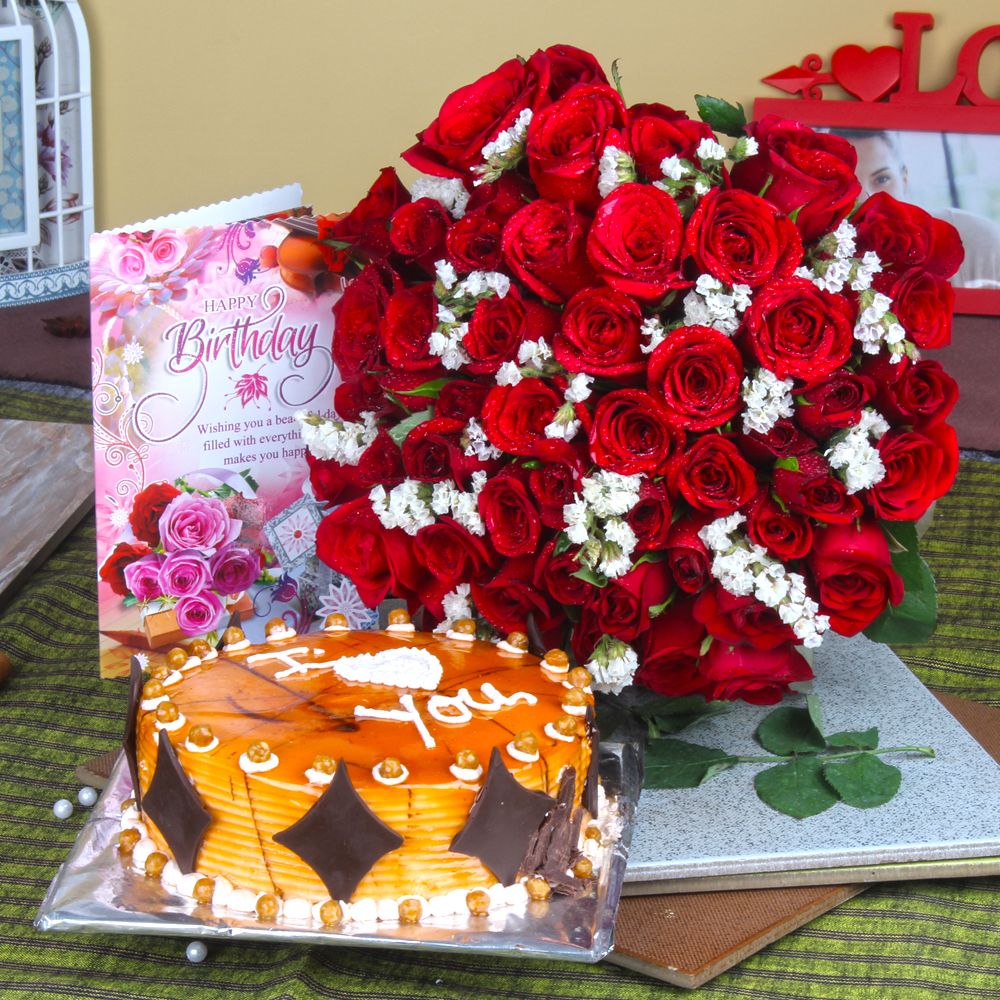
pixel 19 209
pixel 943 145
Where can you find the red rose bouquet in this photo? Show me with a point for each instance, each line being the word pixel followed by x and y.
pixel 658 397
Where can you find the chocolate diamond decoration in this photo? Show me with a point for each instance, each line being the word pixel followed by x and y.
pixel 340 838
pixel 502 821
pixel 173 805
pixel 128 737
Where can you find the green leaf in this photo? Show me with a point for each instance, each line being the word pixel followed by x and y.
pixel 399 432
pixel 248 478
pixel 429 389
pixel 677 764
pixel 796 789
pixel 790 462
pixel 617 77
pixel 706 645
pixel 914 618
pixel 815 712
pixel 562 544
pixel 655 610
pixel 591 576
pixel 650 557
pixel 863 781
pixel 678 718
pixel 790 730
pixel 130 601
pixel 866 739
pixel 730 119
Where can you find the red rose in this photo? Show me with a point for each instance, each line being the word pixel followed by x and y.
pixel 410 318
pixel 515 416
pixel 834 403
pixel 759 676
pixel 735 619
pixel 361 394
pixel 554 575
pixel 923 304
pixel 622 607
pixel 461 399
pixel 352 541
pixel 650 518
pixel 687 555
pixel 544 247
pixel 632 433
pixel 920 466
pixel 508 598
pixel 433 452
pixel 796 329
pixel 476 114
pixel 569 66
pixel 451 555
pixel 656 132
pixel 554 484
pixel 714 476
pixel 147 507
pixel 784 534
pixel 740 238
pixel 699 371
pixel 498 326
pixel 512 522
pixel 905 236
pixel 811 489
pixel 417 231
pixel 923 395
pixel 669 664
pixel 566 139
pixel 501 198
pixel 113 568
pixel 381 463
pixel 365 226
pixel 801 171
pixel 854 576
pixel 357 318
pixel 635 239
pixel 600 334
pixel 784 439
pixel 473 243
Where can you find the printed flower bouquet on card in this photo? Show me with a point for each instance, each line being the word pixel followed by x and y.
pixel 185 570
pixel 651 388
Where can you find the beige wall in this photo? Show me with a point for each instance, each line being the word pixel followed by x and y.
pixel 200 100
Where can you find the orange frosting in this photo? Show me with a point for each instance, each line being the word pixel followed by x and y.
pixel 307 714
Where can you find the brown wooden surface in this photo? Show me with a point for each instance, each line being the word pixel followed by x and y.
pixel 46 486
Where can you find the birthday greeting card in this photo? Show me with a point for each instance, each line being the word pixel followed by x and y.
pixel 204 347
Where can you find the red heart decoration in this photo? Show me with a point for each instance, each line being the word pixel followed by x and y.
pixel 866 75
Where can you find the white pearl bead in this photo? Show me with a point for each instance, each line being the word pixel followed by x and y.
pixel 87 796
pixel 196 952
pixel 63 809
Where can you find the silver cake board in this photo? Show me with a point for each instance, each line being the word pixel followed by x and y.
pixel 93 891
pixel 721 836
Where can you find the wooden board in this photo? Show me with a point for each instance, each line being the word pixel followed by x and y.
pixel 46 487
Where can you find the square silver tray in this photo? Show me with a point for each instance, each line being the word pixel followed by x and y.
pixel 94 891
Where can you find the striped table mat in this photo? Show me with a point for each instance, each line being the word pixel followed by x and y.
pixel 914 940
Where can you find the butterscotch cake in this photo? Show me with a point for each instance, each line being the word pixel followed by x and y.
pixel 343 775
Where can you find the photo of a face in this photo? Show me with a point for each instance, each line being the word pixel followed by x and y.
pixel 954 176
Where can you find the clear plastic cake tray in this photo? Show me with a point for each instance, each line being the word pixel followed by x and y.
pixel 95 891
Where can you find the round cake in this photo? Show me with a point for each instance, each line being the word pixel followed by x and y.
pixel 367 768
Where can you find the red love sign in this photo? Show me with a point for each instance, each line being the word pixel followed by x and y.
pixel 866 75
